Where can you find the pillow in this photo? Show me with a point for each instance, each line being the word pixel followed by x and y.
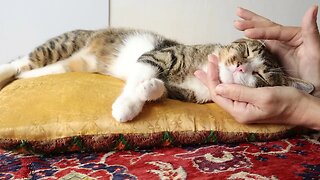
pixel 72 112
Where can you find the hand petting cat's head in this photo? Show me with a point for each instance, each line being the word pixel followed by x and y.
pixel 248 62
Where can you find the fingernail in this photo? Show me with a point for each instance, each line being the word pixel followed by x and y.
pixel 197 72
pixel 210 58
pixel 315 12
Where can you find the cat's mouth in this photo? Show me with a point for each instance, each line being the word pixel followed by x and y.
pixel 241 78
pixel 244 79
pixel 238 78
pixel 232 75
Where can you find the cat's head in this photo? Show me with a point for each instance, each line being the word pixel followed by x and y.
pixel 248 62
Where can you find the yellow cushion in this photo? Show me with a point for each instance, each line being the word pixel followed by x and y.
pixel 49 109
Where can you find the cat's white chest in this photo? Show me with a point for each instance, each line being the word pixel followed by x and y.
pixel 128 53
pixel 201 92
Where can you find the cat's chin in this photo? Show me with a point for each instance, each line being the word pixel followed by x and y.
pixel 233 81
pixel 225 79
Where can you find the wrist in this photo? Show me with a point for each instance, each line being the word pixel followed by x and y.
pixel 311 112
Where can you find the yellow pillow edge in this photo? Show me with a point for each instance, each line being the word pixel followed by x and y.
pixel 23 134
pixel 149 121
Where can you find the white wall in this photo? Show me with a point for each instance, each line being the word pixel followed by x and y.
pixel 25 24
pixel 201 21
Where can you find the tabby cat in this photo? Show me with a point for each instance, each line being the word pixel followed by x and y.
pixel 152 65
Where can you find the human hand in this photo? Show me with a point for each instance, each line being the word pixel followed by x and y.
pixel 298 48
pixel 284 105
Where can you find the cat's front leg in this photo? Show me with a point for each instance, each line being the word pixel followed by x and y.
pixel 141 86
pixel 129 105
pixel 126 107
pixel 151 89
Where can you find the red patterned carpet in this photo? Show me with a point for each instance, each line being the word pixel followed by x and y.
pixel 296 158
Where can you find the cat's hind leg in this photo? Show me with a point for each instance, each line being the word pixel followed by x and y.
pixel 56 68
pixel 141 86
pixel 82 61
pixel 9 71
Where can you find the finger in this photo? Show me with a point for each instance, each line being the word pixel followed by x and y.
pixel 277 38
pixel 309 22
pixel 245 24
pixel 275 46
pixel 279 33
pixel 279 49
pixel 213 80
pixel 232 106
pixel 249 15
pixel 238 93
pixel 202 76
pixel 213 71
pixel 243 112
pixel 310 31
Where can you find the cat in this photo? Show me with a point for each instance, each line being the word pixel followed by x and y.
pixel 153 66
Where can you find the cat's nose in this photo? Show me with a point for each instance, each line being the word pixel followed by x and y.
pixel 241 68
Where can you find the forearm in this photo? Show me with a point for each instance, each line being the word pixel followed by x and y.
pixel 311 115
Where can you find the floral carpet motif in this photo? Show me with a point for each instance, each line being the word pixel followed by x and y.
pixel 293 158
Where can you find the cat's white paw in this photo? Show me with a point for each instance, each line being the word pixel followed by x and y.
pixel 7 71
pixel 151 89
pixel 126 108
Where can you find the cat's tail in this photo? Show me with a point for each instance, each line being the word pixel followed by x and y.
pixel 55 49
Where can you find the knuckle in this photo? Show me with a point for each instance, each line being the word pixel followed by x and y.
pixel 241 94
pixel 268 97
pixel 235 93
pixel 242 119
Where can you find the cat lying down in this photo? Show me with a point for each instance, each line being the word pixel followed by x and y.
pixel 152 66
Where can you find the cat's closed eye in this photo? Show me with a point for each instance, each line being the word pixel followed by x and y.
pixel 246 52
pixel 256 73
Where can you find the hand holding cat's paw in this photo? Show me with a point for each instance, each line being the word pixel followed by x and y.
pixel 126 108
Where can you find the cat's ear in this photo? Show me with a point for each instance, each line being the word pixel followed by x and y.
pixel 301 84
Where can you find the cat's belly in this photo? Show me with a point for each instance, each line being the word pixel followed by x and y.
pixel 201 92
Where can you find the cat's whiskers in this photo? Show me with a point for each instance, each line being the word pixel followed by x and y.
pixel 282 69
pixel 242 80
pixel 280 73
pixel 276 69
pixel 264 80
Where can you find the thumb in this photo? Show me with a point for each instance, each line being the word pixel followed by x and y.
pixel 237 92
pixel 310 31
